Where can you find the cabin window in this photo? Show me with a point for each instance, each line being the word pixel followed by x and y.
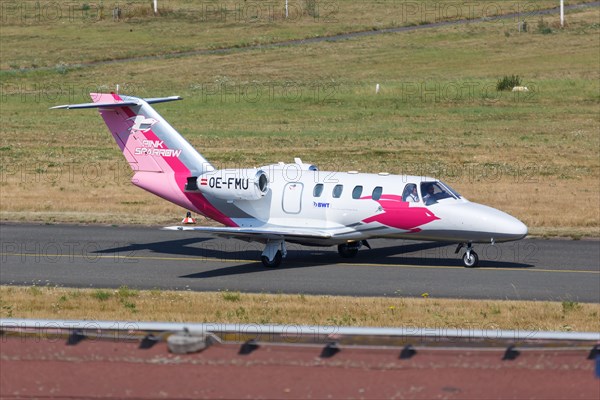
pixel 337 191
pixel 376 195
pixel 318 190
pixel 357 192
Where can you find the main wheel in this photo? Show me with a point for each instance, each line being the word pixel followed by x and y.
pixel 471 261
pixel 272 264
pixel 347 251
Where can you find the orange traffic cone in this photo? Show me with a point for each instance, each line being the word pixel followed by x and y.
pixel 188 219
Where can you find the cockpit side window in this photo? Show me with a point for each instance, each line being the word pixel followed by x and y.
pixel 410 193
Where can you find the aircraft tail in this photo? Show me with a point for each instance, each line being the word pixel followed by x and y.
pixel 146 139
pixel 160 157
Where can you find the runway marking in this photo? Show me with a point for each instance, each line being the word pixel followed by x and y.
pixel 190 259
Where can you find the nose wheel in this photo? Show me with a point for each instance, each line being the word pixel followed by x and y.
pixel 470 258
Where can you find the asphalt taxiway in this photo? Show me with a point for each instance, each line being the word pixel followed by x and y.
pixel 147 257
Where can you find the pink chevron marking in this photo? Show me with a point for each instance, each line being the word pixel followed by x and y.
pixel 399 214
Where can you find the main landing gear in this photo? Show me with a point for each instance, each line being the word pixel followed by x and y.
pixel 273 253
pixel 350 249
pixel 470 258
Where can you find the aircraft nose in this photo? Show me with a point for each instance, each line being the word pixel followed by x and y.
pixel 516 229
pixel 506 226
pixel 499 225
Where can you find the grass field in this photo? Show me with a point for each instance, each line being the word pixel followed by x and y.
pixel 49 34
pixel 125 304
pixel 534 155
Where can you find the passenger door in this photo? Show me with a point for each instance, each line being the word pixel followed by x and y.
pixel 292 197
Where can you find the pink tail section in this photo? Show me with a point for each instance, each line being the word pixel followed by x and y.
pixel 161 158
pixel 121 121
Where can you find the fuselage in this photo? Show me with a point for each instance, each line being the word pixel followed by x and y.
pixel 358 206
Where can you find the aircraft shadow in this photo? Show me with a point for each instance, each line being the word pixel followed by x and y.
pixel 179 247
pixel 426 254
pixel 306 258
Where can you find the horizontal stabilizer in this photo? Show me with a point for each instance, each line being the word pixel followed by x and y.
pixel 94 105
pixel 155 100
pixel 152 100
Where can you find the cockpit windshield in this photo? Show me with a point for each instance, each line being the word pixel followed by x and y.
pixel 454 192
pixel 436 191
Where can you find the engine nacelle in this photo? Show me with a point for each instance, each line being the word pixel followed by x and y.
pixel 234 184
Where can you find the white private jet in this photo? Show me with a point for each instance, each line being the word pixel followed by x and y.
pixel 297 202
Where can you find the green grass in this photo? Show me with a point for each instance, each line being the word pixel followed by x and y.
pixel 438 113
pixel 101 295
pixel 58 35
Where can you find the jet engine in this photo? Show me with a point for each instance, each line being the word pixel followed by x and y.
pixel 234 184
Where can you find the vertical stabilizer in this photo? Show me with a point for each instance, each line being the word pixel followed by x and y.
pixel 147 140
pixel 162 160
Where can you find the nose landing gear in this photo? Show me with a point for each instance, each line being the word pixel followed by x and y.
pixel 470 258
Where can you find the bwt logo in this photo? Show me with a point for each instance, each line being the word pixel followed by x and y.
pixel 320 205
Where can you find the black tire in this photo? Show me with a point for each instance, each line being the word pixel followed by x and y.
pixel 272 264
pixel 471 262
pixel 345 251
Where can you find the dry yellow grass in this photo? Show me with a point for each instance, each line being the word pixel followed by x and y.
pixel 233 307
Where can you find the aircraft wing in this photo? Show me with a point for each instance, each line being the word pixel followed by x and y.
pixel 257 234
